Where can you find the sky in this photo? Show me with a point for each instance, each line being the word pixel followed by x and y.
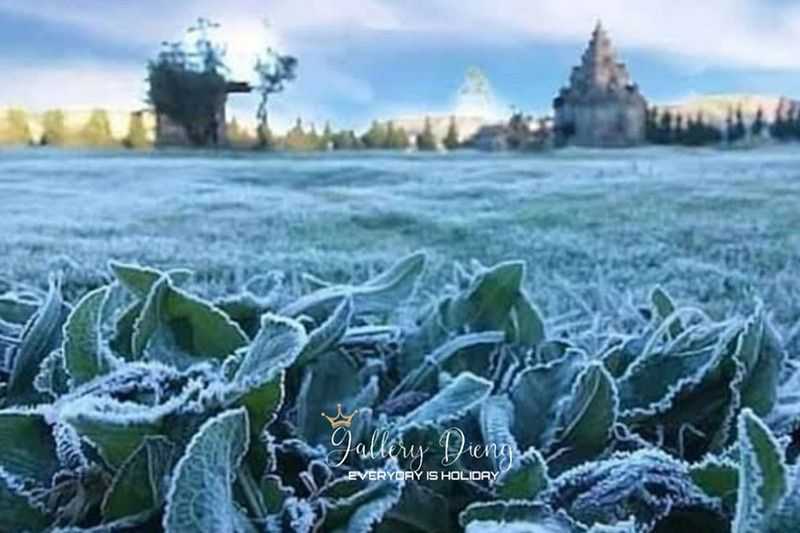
pixel 366 59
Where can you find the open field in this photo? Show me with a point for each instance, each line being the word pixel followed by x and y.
pixel 715 228
pixel 608 403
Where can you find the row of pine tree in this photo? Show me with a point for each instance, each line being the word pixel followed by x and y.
pixel 379 136
pixel 667 127
pixel 662 127
pixel 96 132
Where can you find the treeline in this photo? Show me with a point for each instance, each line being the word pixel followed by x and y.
pixel 17 128
pixel 670 127
pixel 379 136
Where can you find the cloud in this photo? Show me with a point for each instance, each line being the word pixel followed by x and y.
pixel 740 33
pixel 745 36
pixel 74 85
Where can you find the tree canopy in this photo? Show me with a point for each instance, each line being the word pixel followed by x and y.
pixel 187 84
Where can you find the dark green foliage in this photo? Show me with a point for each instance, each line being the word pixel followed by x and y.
pixel 664 135
pixel 758 126
pixel 735 130
pixel 299 140
pixel 188 85
pixel 54 128
pixel 668 129
pixel 346 140
pixel 451 140
pixel 396 138
pixel 376 136
pixel 137 134
pixel 97 130
pixel 203 424
pixel 14 127
pixel 426 141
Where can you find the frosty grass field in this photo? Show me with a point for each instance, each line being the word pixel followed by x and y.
pixel 135 399
pixel 714 228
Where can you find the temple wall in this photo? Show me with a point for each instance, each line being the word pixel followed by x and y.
pixel 607 124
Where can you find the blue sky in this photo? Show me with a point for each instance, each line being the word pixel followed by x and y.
pixel 361 59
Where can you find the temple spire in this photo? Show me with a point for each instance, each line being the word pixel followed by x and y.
pixel 600 81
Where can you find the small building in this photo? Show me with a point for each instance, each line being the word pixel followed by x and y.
pixel 601 106
pixel 171 133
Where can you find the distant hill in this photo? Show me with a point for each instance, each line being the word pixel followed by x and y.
pixel 715 107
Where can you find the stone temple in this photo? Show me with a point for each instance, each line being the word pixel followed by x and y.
pixel 601 106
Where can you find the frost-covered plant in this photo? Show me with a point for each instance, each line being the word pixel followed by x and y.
pixel 143 407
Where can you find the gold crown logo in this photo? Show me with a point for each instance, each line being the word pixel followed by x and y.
pixel 340 420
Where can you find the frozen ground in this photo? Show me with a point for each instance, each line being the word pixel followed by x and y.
pixel 716 228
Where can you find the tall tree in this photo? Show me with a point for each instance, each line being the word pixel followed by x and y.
pixel 346 140
pixel 730 134
pixel 297 139
pixel 376 136
pixel 651 125
pixel 16 130
pixel 451 140
pixel 665 127
pixel 758 125
pixel 326 139
pixel 97 131
pixel 274 71
pixel 426 141
pixel 396 137
pixel 54 128
pixel 739 129
pixel 679 134
pixel 137 133
pixel 187 84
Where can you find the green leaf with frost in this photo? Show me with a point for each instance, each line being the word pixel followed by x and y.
pixel 331 381
pixel 200 497
pixel 360 511
pixel 263 402
pixel 420 509
pixel 124 327
pixel 453 401
pixel 648 485
pixel 787 516
pixel 276 347
pixel 464 352
pixel 664 308
pixel 717 477
pixel 42 335
pixel 139 486
pixel 28 446
pixel 537 394
pixel 496 419
pixel 17 512
pixel 16 309
pixel 487 303
pixel 140 279
pixel 759 350
pixel 530 330
pixel 380 294
pixel 762 475
pixel 328 333
pixel 174 322
pixel 526 479
pixel 83 351
pixel 513 517
pixel 117 428
pixel 586 420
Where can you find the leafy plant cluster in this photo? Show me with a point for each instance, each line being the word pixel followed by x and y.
pixel 143 407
